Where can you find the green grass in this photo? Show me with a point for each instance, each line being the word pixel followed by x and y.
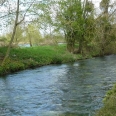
pixel 109 108
pixel 23 58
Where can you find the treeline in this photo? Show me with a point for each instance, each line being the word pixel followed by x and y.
pixel 84 28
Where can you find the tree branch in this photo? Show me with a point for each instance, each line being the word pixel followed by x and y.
pixel 25 13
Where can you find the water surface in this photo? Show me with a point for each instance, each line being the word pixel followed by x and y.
pixel 73 89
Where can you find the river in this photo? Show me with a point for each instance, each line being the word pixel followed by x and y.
pixel 72 89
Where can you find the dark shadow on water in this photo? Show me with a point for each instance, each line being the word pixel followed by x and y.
pixel 73 114
pixel 63 114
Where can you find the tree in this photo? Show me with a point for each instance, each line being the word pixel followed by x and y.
pixel 104 4
pixel 72 18
pixel 43 13
pixel 87 25
pixel 13 34
pixel 104 26
pixel 16 23
pixel 33 34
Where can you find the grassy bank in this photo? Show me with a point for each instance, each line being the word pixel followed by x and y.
pixel 23 58
pixel 109 108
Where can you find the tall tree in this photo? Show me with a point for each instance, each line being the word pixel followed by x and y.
pixel 16 23
pixel 72 17
pixel 105 24
pixel 13 34
pixel 33 34
pixel 87 26
pixel 43 13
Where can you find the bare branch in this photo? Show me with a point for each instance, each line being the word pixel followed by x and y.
pixel 2 2
pixel 25 13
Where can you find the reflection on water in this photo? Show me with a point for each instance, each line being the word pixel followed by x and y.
pixel 73 89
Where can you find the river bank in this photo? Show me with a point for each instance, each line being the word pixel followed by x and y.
pixel 31 57
pixel 109 108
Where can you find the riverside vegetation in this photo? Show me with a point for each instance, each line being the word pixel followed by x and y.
pixel 31 57
pixel 109 108
pixel 85 31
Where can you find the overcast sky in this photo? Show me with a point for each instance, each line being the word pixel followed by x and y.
pixel 96 2
pixel 96 5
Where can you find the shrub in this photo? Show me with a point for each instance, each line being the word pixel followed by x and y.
pixel 15 66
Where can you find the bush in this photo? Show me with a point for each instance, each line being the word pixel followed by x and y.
pixel 56 60
pixel 16 66
pixel 109 108
pixel 30 63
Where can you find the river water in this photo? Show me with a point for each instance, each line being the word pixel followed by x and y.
pixel 72 89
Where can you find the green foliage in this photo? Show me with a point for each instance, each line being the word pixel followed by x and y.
pixel 109 108
pixel 57 60
pixel 104 4
pixel 3 41
pixel 11 66
pixel 105 26
pixel 22 58
pixel 32 35
pixel 75 18
pixel 110 93
pixel 30 63
pixel 2 70
pixel 16 66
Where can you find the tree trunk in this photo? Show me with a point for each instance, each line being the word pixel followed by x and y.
pixel 80 47
pixel 70 47
pixel 30 42
pixel 70 44
pixel 13 35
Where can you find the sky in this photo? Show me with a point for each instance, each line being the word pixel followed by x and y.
pixel 96 2
pixel 96 5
